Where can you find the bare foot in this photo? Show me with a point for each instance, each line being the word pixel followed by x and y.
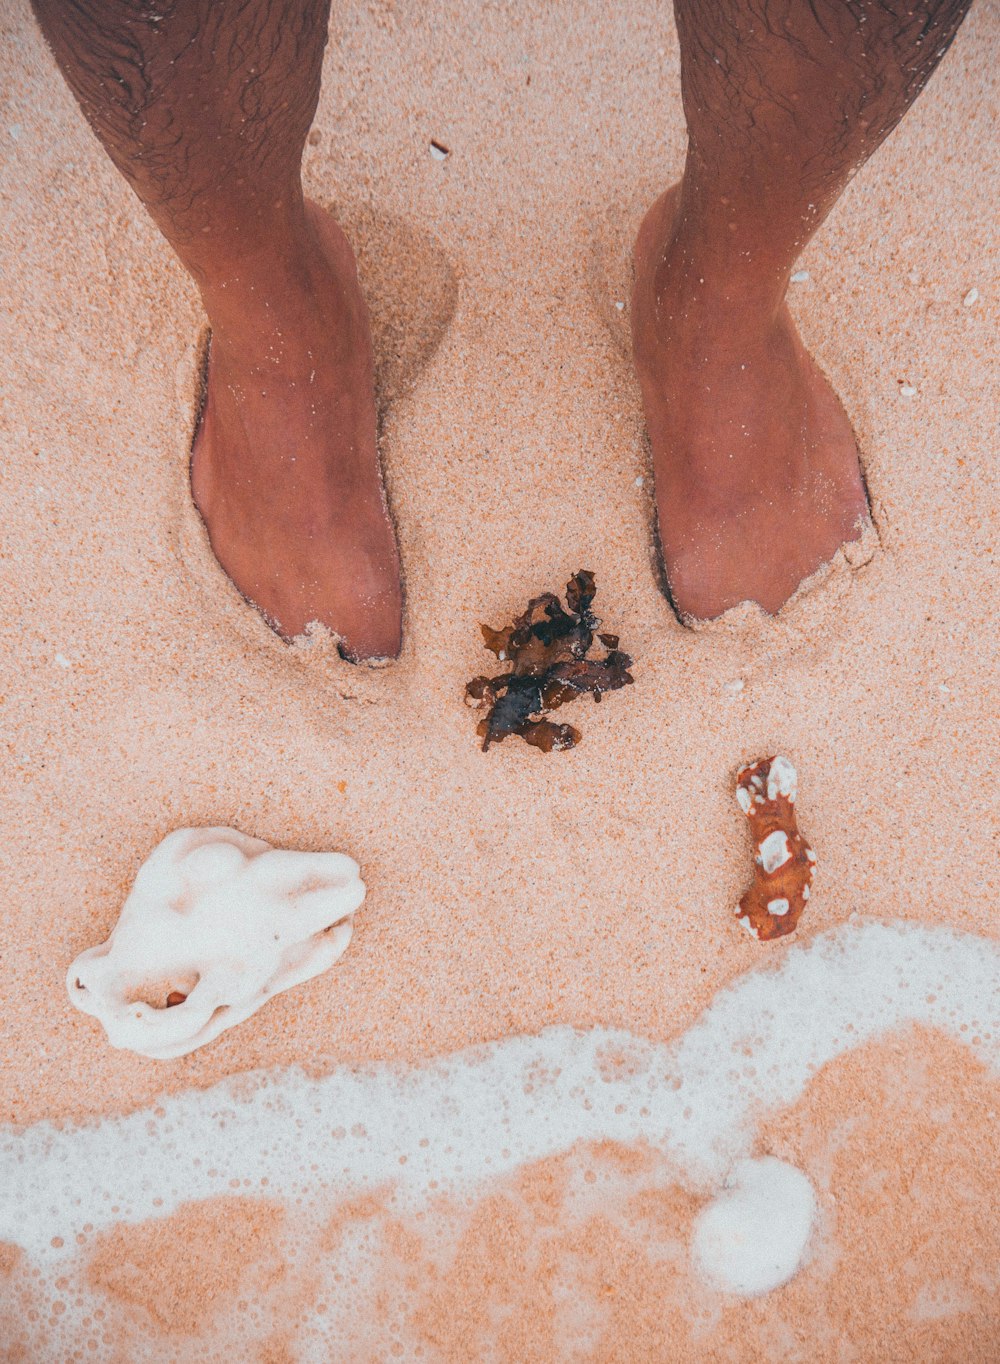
pixel 284 469
pixel 756 465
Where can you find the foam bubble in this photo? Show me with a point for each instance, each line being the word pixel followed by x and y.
pixel 751 1238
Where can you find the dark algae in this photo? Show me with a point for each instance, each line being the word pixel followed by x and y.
pixel 547 650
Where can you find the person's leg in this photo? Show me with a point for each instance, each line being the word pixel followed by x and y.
pixel 204 105
pixel 757 475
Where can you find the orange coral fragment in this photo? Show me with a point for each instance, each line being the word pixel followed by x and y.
pixel 783 860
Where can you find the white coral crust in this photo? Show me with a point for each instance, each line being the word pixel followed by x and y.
pixel 224 920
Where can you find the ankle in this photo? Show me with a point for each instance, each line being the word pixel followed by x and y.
pixel 286 322
pixel 720 258
pixel 700 298
pixel 256 297
pixel 703 311
pixel 284 272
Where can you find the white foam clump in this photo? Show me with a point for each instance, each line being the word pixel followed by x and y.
pixel 752 1237
pixel 227 921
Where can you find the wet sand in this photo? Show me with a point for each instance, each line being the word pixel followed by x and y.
pixel 507 891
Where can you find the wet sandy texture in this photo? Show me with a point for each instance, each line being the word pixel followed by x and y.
pixel 179 1267
pixel 584 1256
pixel 507 890
pixel 893 1178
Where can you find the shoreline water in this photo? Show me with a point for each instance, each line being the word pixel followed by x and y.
pixel 396 1142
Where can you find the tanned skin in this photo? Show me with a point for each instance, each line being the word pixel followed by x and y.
pixel 756 466
pixel 204 106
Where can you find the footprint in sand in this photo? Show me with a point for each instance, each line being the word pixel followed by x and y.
pixel 410 307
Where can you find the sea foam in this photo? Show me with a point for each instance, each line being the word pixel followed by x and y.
pixel 457 1123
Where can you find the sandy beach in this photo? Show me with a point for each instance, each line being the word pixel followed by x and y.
pixel 509 891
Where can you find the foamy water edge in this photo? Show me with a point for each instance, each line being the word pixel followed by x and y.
pixel 483 1112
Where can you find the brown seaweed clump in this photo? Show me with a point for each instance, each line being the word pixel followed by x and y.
pixel 547 650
